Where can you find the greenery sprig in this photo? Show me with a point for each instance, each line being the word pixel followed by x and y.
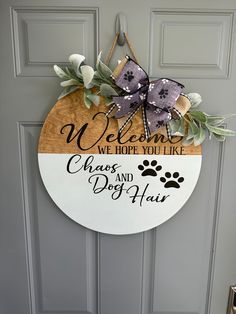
pixel 194 126
pixel 78 75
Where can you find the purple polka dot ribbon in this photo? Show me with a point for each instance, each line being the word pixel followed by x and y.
pixel 156 98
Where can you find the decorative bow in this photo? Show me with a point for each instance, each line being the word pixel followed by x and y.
pixel 156 98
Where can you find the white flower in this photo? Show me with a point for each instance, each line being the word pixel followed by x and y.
pixel 152 102
pixel 139 85
pixel 195 99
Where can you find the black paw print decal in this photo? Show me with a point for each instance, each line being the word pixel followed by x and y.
pixel 163 93
pixel 128 76
pixel 160 123
pixel 172 181
pixel 133 104
pixel 148 170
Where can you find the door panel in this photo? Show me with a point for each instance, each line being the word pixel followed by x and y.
pixel 50 264
pixel 177 39
pixel 62 257
pixel 34 28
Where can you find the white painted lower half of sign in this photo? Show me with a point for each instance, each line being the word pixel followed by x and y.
pixel 119 194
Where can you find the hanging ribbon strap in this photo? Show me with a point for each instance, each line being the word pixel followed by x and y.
pixel 117 71
pixel 113 46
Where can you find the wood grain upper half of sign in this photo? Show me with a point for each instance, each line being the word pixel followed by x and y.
pixel 72 128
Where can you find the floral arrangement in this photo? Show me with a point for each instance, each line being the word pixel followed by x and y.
pixel 194 126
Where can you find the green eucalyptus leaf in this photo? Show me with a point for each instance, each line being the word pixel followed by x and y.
pixel 215 120
pixel 67 70
pixel 72 74
pixel 94 98
pixel 187 142
pixel 174 125
pixel 87 101
pixel 96 83
pixel 97 76
pixel 195 99
pixel 98 58
pixel 199 116
pixel 108 101
pixel 218 120
pixel 220 130
pixel 199 137
pixel 190 134
pixel 67 90
pixel 209 134
pixel 106 90
pixel 181 129
pixel 219 138
pixel 61 73
pixel 87 74
pixel 70 82
pixel 76 60
pixel 194 127
pixel 103 69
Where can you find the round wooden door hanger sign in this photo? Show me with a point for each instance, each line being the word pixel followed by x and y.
pixel 111 182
